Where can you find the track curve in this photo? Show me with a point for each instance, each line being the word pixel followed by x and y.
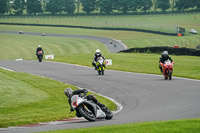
pixel 113 47
pixel 144 97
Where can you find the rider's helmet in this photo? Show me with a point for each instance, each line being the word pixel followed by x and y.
pixel 165 53
pixel 68 92
pixel 98 52
pixel 39 46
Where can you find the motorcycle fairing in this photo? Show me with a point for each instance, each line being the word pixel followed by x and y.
pixel 100 62
pixel 76 101
pixel 100 113
pixel 96 110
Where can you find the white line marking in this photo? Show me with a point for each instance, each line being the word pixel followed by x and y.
pixel 126 71
pixel 7 69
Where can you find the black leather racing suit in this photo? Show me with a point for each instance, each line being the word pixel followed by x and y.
pixel 163 58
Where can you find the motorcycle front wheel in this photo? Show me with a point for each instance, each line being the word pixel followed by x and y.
pixel 40 59
pixel 170 75
pixel 87 114
pixel 102 71
pixel 99 72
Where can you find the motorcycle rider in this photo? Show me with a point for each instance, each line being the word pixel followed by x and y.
pixel 165 56
pixel 39 49
pixel 81 92
pixel 96 55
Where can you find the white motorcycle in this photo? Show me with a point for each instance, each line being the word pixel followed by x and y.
pixel 88 109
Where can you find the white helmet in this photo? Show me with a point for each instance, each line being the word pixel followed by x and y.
pixel 98 52
pixel 39 46
pixel 165 53
pixel 68 92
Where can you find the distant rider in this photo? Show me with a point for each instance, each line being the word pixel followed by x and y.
pixel 165 56
pixel 38 50
pixel 96 55
pixel 82 92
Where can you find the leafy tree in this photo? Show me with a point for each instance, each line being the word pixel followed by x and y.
pixel 78 3
pixel 34 6
pixel 185 4
pixel 122 5
pixel 89 5
pixel 154 2
pixel 145 4
pixel 3 6
pixel 44 4
pixel 69 6
pixel 54 6
pixel 18 6
pixel 172 3
pixel 163 4
pixel 197 4
pixel 106 6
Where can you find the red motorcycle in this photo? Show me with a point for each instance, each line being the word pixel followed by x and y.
pixel 40 56
pixel 167 69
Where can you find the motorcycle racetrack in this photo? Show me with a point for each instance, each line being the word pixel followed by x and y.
pixel 144 97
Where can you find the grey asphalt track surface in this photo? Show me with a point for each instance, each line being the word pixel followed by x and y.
pixel 115 47
pixel 144 97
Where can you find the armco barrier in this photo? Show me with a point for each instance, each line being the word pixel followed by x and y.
pixel 171 50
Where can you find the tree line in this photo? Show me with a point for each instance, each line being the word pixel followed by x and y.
pixel 88 6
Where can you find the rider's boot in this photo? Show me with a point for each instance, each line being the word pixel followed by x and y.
pixel 78 115
pixel 102 106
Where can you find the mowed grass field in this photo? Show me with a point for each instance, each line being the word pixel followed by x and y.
pixel 78 51
pixel 130 38
pixel 28 99
pixel 24 46
pixel 164 23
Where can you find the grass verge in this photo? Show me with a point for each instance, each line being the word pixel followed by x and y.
pixel 176 126
pixel 79 51
pixel 29 99
pixel 130 38
pixel 185 66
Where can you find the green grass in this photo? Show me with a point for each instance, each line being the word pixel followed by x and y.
pixel 176 126
pixel 130 38
pixel 165 23
pixel 20 46
pixel 24 98
pixel 185 66
pixel 74 51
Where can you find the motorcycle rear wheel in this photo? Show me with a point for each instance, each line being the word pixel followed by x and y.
pixel 87 115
